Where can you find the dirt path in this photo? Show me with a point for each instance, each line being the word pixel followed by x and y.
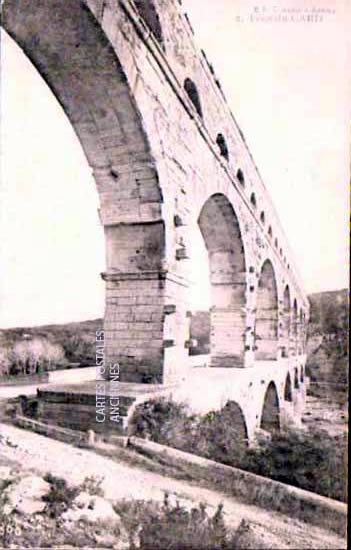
pixel 36 452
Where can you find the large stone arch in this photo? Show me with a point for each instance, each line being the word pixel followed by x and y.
pixel 67 45
pixel 270 418
pixel 220 229
pixel 266 325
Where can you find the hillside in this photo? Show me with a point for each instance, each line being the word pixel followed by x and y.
pixel 21 348
pixel 29 350
pixel 328 344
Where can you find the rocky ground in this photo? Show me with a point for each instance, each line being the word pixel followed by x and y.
pixel 88 518
pixel 325 415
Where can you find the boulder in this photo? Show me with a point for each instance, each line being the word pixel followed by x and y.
pixel 90 508
pixel 5 473
pixel 25 496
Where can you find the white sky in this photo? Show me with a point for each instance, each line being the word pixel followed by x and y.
pixel 287 86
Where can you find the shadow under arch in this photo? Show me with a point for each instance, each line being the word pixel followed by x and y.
pixel 296 379
pixel 233 413
pixel 220 230
pixel 288 388
pixel 270 419
pixel 286 322
pixel 302 375
pixel 147 10
pixel 266 325
pixel 294 328
pixel 88 80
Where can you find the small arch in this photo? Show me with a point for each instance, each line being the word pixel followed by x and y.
pixel 270 420
pixel 281 251
pixel 223 149
pixel 302 375
pixel 262 217
pixel 270 232
pixel 236 419
pixel 286 321
pixel 301 316
pixel 276 242
pixel 266 324
pixel 227 277
pixel 253 200
pixel 148 12
pixel 241 177
pixel 193 94
pixel 287 389
pixel 295 318
pixel 296 379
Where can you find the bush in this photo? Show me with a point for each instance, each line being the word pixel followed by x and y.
pixel 92 485
pixel 311 460
pixel 175 527
pixel 60 496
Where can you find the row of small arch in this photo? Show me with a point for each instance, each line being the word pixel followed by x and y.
pixel 148 12
pixel 270 417
pixel 297 380
pixel 193 95
pixel 192 92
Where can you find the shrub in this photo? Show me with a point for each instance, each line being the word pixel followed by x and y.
pixel 60 496
pixel 311 460
pixel 5 361
pixel 92 485
pixel 175 527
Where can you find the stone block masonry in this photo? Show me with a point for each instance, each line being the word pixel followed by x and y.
pixel 169 160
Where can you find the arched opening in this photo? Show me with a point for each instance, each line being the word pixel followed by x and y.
pixel 193 94
pixel 266 327
pixel 300 333
pixel 148 12
pixel 303 331
pixel 49 238
pixel 294 328
pixel 253 200
pixel 270 232
pixel 302 375
pixel 286 321
pixel 287 389
pixel 276 242
pixel 223 149
pixel 226 256
pixel 296 379
pixel 270 421
pixel 235 417
pixel 241 177
pixel 89 81
pixel 262 217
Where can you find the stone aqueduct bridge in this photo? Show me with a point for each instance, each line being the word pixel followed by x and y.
pixel 168 159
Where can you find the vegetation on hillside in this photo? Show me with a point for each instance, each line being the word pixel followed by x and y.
pixel 328 345
pixel 311 460
pixel 34 350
